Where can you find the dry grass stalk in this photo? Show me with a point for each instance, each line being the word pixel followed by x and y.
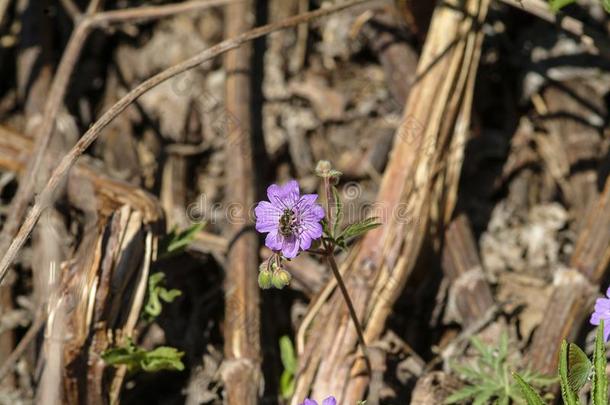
pixel 241 370
pixel 87 23
pixel 382 262
pixel 117 251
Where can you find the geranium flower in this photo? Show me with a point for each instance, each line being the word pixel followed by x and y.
pixel 327 401
pixel 602 311
pixel 291 220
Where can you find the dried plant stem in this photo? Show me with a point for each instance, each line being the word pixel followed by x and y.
pixel 350 306
pixel 25 341
pixel 3 7
pixel 593 40
pixel 154 12
pixel 92 134
pixel 241 372
pixel 84 26
pixel 71 8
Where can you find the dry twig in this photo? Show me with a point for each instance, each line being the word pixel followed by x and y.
pixel 91 20
pixel 242 366
pixel 594 41
pixel 91 135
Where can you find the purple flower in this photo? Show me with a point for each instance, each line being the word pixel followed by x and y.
pixel 292 220
pixel 327 401
pixel 602 311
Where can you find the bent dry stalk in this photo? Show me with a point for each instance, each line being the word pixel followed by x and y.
pixel 295 223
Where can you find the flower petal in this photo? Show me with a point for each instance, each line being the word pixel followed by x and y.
pixel 309 402
pixel 306 201
pixel 267 216
pixel 290 246
pixel 309 233
pixel 329 401
pixel 314 213
pixel 285 196
pixel 274 241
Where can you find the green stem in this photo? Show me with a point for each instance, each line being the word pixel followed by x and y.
pixel 350 306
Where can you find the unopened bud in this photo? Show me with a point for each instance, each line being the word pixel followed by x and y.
pixel 265 278
pixel 280 279
pixel 323 168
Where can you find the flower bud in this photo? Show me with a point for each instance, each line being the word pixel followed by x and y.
pixel 323 168
pixel 280 278
pixel 265 278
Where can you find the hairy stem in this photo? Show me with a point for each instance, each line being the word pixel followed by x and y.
pixel 330 258
pixel 350 306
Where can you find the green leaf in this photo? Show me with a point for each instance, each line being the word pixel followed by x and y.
pixel 599 390
pixel 359 228
pixel 568 394
pixel 530 395
pixel 488 379
pixel 606 4
pixel 287 383
pixel 579 367
pixel 462 394
pixel 162 358
pixel 289 360
pixel 157 293
pixel 176 242
pixel 136 358
pixel 557 5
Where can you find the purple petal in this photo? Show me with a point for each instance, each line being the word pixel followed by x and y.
pixel 595 318
pixel 309 402
pixel 329 401
pixel 267 216
pixel 608 292
pixel 290 247
pixel 285 196
pixel 602 305
pixel 274 240
pixel 309 233
pixel 313 213
pixel 306 201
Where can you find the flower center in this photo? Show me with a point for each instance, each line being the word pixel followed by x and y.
pixel 288 223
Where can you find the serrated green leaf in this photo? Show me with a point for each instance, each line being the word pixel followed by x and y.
pixel 579 367
pixel 162 358
pixel 568 394
pixel 175 242
pixel 483 397
pixel 136 358
pixel 489 379
pixel 530 395
pixel 600 379
pixel 359 228
pixel 557 5
pixel 462 394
